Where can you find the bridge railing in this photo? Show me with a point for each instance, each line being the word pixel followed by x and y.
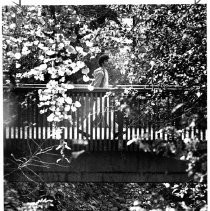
pixel 98 125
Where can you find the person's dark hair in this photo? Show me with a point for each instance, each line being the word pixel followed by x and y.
pixel 102 59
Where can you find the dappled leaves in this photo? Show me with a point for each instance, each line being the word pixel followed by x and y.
pixel 149 44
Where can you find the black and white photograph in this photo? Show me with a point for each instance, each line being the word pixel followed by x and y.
pixel 104 106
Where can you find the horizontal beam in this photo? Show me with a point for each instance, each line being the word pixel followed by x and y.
pixel 110 167
pixel 104 177
pixel 109 88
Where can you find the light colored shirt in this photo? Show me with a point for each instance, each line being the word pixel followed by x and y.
pixel 101 77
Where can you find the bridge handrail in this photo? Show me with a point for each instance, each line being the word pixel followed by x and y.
pixel 84 87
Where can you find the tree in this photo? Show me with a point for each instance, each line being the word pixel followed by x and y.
pixel 150 44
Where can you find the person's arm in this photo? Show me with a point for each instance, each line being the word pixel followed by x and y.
pixel 98 78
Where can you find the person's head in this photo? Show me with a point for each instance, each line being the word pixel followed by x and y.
pixel 103 60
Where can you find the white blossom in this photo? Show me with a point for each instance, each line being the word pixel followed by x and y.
pixel 86 78
pixel 73 108
pixel 17 55
pixel 90 87
pixel 77 104
pixel 68 100
pixel 50 117
pixel 12 26
pixel 17 65
pixel 67 108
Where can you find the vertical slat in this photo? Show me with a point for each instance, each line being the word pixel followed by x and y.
pixel 87 109
pixel 42 126
pixel 33 104
pixel 32 118
pixel 23 115
pixel 192 135
pixel 91 122
pixel 105 118
pixel 100 125
pixel 105 124
pixel 134 145
pixel 149 129
pixel 35 125
pixel 114 125
pixel 73 119
pixel 4 118
pixel 120 130
pixel 127 122
pixel 19 120
pixel 136 127
pixel 190 132
pixel 96 120
pixel 204 134
pixel 131 133
pixel 40 133
pixel 4 123
pixel 139 134
pixel 10 119
pixel 154 124
pixel 185 133
pixel 22 122
pixel 199 134
pixel 7 140
pixel 113 143
pixel 135 133
pixel 78 119
pixel 101 122
pixel 110 121
pixel 88 114
pixel 37 120
pixel 168 112
pixel 62 124
pixel 46 125
pixel 68 127
pixel 126 148
pixel 82 113
pixel 13 120
pixel 28 117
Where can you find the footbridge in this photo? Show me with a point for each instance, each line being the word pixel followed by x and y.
pixel 98 135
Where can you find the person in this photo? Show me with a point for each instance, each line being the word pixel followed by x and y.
pixel 101 80
pixel 101 76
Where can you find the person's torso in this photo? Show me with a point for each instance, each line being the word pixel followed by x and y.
pixel 105 76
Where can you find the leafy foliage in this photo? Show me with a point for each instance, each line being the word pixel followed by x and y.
pixel 96 196
pixel 149 44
